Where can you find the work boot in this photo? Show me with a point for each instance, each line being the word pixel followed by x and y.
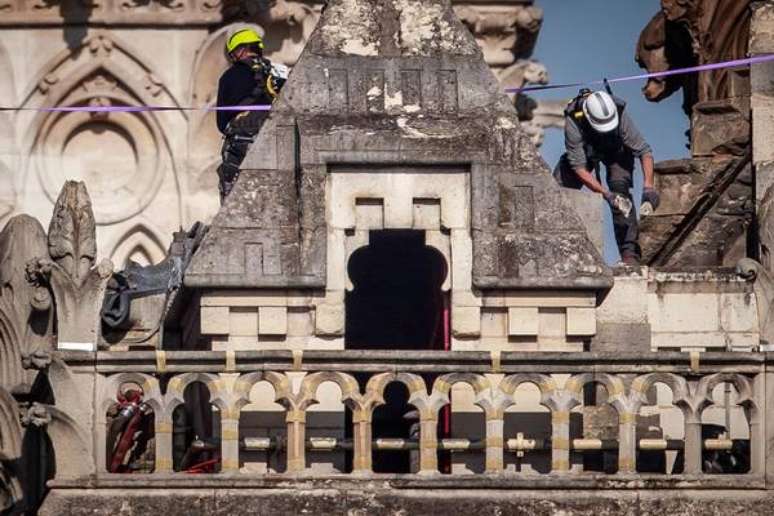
pixel 630 260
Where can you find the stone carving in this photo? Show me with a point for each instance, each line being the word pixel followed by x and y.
pixel 70 269
pixel 504 33
pixel 25 310
pixel 764 297
pixel 708 229
pixel 134 146
pixel 10 452
pixel 689 32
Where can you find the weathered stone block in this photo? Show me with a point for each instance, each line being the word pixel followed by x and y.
pixel 369 213
pixel 466 321
pixel 581 322
pixel 613 337
pixel 552 323
pixel 215 320
pixel 494 323
pixel 627 301
pixel 427 214
pixel 738 312
pixel 272 320
pixel 329 319
pixel 300 322
pixel 590 207
pixel 243 322
pixel 719 125
pixel 684 313
pixel 689 341
pixel 523 321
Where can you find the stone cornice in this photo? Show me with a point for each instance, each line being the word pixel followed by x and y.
pixel 24 13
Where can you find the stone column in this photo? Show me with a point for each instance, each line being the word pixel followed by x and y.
pixel 627 442
pixel 494 442
pixel 229 440
pixel 163 430
pixel 362 436
pixel 428 443
pixel 560 441
pixel 296 451
pixel 693 443
pixel 758 426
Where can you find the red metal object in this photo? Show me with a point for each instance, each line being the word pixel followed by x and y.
pixel 131 410
pixel 207 466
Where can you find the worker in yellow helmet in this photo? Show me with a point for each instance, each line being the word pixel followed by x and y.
pixel 251 80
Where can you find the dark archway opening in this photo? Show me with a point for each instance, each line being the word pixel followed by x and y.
pixel 397 304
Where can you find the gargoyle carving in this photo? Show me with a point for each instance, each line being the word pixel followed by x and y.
pixel 25 309
pixel 70 269
pixel 694 32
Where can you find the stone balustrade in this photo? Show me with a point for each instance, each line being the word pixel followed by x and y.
pixel 429 378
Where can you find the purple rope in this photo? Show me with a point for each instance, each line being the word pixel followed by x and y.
pixel 654 75
pixel 136 109
pixel 264 107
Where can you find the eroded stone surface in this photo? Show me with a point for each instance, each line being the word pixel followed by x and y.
pixel 330 500
pixel 423 98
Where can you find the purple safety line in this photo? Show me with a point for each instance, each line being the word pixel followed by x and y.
pixel 265 107
pixel 136 109
pixel 654 75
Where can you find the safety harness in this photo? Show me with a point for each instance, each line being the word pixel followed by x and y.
pixel 596 146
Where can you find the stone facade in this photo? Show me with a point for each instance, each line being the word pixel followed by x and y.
pixel 294 365
pixel 161 165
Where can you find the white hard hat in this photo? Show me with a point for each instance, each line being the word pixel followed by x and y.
pixel 601 112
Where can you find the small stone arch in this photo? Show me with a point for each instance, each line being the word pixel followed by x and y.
pixel 648 403
pixel 740 458
pixel 178 384
pixel 141 240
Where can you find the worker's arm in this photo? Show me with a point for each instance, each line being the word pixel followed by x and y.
pixel 576 156
pixel 646 160
pixel 633 140
pixel 589 180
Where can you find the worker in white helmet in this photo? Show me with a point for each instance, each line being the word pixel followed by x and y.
pixel 598 130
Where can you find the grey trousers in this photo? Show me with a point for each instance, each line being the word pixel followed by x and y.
pixel 620 173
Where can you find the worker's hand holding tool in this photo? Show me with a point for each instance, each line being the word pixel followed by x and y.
pixel 618 203
pixel 650 201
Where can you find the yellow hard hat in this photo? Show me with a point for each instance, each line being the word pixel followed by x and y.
pixel 243 37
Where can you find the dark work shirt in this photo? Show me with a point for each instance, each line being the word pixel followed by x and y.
pixel 575 140
pixel 237 86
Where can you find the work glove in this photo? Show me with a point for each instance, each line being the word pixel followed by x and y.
pixel 618 203
pixel 650 201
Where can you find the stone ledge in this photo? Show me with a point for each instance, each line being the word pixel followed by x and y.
pixel 331 499
pixel 376 481
pixel 418 361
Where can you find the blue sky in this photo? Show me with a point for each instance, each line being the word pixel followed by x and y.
pixel 585 40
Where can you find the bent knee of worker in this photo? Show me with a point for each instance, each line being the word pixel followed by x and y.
pixel 620 186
